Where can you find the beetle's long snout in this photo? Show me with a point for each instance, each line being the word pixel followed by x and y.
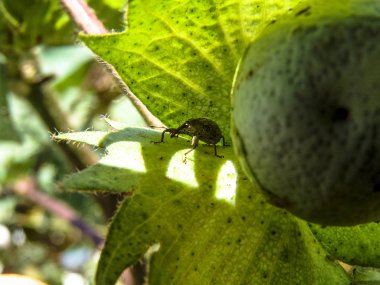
pixel 172 132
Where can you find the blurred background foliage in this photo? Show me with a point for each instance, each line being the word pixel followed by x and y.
pixel 50 82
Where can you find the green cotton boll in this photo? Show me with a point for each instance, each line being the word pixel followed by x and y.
pixel 306 116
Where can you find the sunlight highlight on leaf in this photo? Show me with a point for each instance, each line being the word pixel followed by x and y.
pixel 226 183
pixel 125 155
pixel 180 171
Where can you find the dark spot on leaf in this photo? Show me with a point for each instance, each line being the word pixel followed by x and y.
pixel 273 232
pixel 192 253
pixel 243 218
pixel 340 114
pixel 304 11
pixel 285 255
pixel 229 220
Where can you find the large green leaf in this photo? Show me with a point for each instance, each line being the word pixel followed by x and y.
pixel 179 57
pixel 211 224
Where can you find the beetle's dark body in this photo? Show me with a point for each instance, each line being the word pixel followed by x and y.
pixel 202 129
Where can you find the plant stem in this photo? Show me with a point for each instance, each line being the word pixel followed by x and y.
pixel 27 187
pixel 84 16
pixel 53 117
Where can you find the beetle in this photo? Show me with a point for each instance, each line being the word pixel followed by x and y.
pixel 200 129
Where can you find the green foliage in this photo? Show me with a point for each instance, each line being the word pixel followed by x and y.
pixel 205 221
pixel 354 245
pixel 28 29
pixel 365 276
pixel 211 224
pixel 43 21
pixel 180 57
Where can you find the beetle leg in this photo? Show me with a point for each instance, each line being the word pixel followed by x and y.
pixel 224 142
pixel 163 135
pixel 194 144
pixel 220 156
